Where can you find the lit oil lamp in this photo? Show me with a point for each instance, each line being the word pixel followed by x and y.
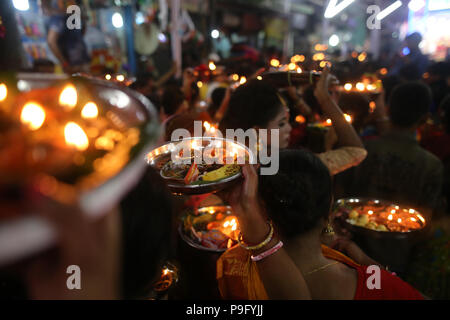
pixel 33 115
pixel 348 87
pixel 230 227
pixel 275 63
pixel 75 136
pixel 3 92
pixel 169 276
pixel 385 217
pixel 89 111
pixel 68 97
pixel 300 119
pixel 362 57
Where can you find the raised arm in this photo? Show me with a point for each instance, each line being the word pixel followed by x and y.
pixel 280 276
pixel 347 136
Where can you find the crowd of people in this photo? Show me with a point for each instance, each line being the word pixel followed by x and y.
pixel 398 150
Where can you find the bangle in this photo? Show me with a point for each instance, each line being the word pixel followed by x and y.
pixel 258 246
pixel 310 78
pixel 267 253
pixel 289 79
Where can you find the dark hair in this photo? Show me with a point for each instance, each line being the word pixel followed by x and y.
pixel 146 214
pixel 253 104
pixel 299 195
pixel 408 103
pixel 389 84
pixel 414 38
pixel 142 80
pixel 180 121
pixel 217 97
pixel 172 98
pixel 445 107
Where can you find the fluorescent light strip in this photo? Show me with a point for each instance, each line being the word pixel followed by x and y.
pixel 334 9
pixel 383 14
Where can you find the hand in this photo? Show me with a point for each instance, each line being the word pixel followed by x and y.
pixel 93 246
pixel 243 198
pixel 321 90
pixel 331 139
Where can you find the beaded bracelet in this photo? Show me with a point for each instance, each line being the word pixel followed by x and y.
pixel 258 246
pixel 267 253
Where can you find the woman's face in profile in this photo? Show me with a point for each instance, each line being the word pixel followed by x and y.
pixel 280 122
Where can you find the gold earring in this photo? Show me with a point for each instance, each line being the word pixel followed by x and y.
pixel 329 231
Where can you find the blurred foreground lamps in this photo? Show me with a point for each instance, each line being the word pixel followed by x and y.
pixel 90 111
pixel 3 92
pixel 32 115
pixel 68 97
pixel 75 136
pixel 348 86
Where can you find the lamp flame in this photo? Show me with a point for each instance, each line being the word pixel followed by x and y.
pixel 32 115
pixel 75 136
pixel 360 86
pixel 3 92
pixel 90 111
pixel 68 97
pixel 275 63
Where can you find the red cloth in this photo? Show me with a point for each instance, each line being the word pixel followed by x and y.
pixel 391 287
pixel 438 144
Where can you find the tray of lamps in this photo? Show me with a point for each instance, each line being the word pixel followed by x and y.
pixel 212 228
pixel 200 165
pixel 378 216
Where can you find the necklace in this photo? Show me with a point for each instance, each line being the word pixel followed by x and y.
pixel 323 267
